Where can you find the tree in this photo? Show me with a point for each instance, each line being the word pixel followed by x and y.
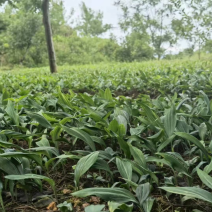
pixel 22 31
pixel 91 23
pixel 194 21
pixel 3 39
pixel 135 48
pixel 148 17
pixel 44 6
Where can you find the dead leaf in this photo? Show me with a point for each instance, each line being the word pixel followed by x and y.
pixel 95 200
pixel 52 206
pixel 78 209
pixel 76 202
pixel 85 205
pixel 66 191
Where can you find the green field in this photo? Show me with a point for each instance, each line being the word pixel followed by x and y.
pixel 137 135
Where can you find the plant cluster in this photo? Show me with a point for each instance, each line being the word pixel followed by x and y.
pixel 129 152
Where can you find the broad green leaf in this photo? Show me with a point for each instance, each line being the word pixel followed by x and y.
pixel 32 156
pixel 205 178
pixel 190 192
pixel 108 95
pixel 176 161
pixel 5 97
pixel 40 119
pixel 121 130
pixel 181 103
pixel 13 114
pixel 207 101
pixel 194 141
pixel 61 158
pixel 170 121
pixel 98 140
pixel 153 119
pixel 47 149
pixel 43 142
pixel 182 126
pixel 94 208
pixel 65 207
pixel 202 131
pixel 166 143
pixel 122 121
pixel 142 192
pixel 87 99
pixel 83 165
pixel 148 204
pixel 125 168
pixel 157 136
pixel 32 176
pixel 49 118
pixel 143 171
pixel 8 167
pixel 115 206
pixel 113 126
pixel 148 144
pixel 68 156
pixel 63 99
pixel 8 144
pixel 208 168
pixel 138 155
pixel 78 133
pixel 66 120
pixel 55 133
pixel 101 165
pixel 124 146
pixel 119 195
pixel 137 130
pixel 131 183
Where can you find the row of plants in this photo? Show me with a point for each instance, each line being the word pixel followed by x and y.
pixel 128 79
pixel 135 154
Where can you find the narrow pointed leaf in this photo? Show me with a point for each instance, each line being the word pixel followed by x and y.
pixel 190 192
pixel 78 133
pixel 83 165
pixel 194 141
pixel 170 121
pixel 205 178
pixel 13 114
pixel 125 168
pixel 138 155
pixel 40 119
pixel 142 192
pixel 119 195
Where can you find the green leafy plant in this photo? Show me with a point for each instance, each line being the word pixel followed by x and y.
pixel 83 166
pixel 65 207
pixel 195 192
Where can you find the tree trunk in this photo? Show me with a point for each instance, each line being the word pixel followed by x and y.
pixel 49 40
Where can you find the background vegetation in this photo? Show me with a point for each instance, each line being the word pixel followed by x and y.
pixel 148 33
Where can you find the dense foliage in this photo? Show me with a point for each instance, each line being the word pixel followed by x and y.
pixel 123 132
pixel 83 41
